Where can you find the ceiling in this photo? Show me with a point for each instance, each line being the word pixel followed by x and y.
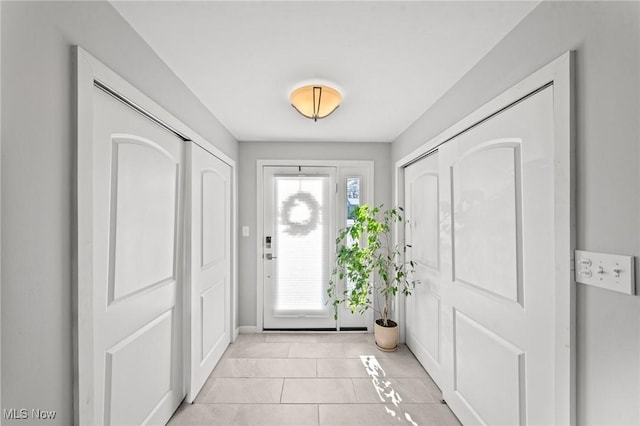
pixel 390 60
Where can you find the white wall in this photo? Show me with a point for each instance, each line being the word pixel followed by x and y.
pixel 250 152
pixel 37 152
pixel 606 37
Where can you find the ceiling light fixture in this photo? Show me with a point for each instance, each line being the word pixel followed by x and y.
pixel 315 101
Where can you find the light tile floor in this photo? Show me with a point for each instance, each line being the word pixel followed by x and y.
pixel 315 379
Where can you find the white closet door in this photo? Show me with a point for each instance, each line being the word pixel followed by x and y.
pixel 208 262
pixel 137 290
pixel 498 291
pixel 422 210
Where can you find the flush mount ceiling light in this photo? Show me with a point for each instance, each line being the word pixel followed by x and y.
pixel 315 101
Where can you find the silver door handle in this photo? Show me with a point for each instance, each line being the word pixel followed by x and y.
pixel 270 256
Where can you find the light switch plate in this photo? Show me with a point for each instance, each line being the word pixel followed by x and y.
pixel 245 231
pixel 611 271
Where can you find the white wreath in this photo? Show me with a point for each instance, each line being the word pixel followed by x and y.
pixel 306 226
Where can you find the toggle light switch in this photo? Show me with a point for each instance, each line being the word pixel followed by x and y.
pixel 610 271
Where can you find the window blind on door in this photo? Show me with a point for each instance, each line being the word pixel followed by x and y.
pixel 301 245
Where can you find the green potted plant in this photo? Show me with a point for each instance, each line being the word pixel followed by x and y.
pixel 369 262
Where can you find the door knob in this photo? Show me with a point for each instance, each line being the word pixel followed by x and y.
pixel 270 256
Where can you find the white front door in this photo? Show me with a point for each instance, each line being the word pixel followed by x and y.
pixel 422 232
pixel 208 262
pixel 497 258
pixel 136 213
pixel 298 247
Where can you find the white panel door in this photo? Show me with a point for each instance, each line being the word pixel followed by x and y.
pixel 298 247
pixel 422 232
pixel 208 262
pixel 137 293
pixel 498 292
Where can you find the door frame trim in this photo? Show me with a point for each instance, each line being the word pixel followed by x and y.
pixel 560 74
pixel 89 71
pixel 260 165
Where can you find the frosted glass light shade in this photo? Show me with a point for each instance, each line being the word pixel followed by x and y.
pixel 315 101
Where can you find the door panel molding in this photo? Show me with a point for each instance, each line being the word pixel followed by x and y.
pixel 116 361
pixel 212 326
pixel 476 383
pixel 432 183
pixel 469 265
pixel 559 75
pixel 129 177
pixel 214 210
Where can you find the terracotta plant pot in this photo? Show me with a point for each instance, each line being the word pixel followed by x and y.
pixel 386 337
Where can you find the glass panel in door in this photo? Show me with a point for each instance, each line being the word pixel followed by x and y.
pixel 298 247
pixel 352 196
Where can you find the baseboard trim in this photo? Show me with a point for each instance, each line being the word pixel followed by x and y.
pixel 246 329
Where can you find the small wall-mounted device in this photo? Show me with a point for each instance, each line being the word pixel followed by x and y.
pixel 610 271
pixel 267 241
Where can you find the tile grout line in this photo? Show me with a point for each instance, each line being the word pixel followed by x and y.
pixel 317 405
